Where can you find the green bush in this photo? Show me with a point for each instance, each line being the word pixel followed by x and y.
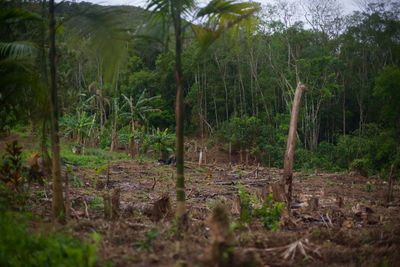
pixel 246 210
pixel 162 142
pixel 362 166
pixel 148 242
pixel 242 132
pixel 270 213
pixel 18 247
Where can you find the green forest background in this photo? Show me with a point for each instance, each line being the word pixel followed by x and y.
pixel 238 92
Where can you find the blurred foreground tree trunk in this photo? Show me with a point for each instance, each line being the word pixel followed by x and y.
pixel 58 202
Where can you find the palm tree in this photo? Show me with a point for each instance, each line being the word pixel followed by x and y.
pixel 115 118
pixel 19 69
pixel 137 111
pixel 58 201
pixel 218 16
pixel 101 26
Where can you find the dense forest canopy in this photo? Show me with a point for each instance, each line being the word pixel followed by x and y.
pixel 238 91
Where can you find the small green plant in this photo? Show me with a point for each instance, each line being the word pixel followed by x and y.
pixel 270 213
pixel 246 210
pixel 76 181
pixel 148 242
pixel 100 170
pixel 97 203
pixel 369 187
pixel 39 249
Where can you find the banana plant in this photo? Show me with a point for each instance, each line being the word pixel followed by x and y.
pixel 78 126
pixel 162 142
pixel 137 112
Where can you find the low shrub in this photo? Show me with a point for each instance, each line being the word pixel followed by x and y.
pixel 268 212
pixel 18 247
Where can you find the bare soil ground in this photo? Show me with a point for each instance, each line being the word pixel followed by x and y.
pixel 363 231
pixel 353 224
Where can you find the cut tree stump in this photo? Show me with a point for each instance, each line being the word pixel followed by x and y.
pixel 278 192
pixel 161 208
pixel 339 201
pixel 115 203
pixel 111 204
pixel 221 251
pixel 313 204
pixel 107 206
pixel 389 196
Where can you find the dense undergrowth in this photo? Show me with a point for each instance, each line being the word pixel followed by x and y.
pixel 370 152
pixel 22 246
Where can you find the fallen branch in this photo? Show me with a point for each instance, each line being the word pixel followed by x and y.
pixel 154 183
pixel 86 210
pixel 303 245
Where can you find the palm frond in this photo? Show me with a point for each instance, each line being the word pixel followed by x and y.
pixel 17 15
pixel 222 15
pixel 17 50
pixel 102 27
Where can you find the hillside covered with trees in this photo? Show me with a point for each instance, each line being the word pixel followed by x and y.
pixel 172 135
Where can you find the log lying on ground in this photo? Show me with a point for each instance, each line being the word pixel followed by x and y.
pixel 156 211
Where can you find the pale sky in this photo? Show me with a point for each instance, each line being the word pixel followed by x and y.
pixel 348 5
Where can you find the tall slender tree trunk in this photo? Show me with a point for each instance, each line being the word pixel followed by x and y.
pixel 132 140
pixel 344 110
pixel 180 178
pixel 223 76
pixel 44 150
pixel 45 83
pixel 58 202
pixel 114 134
pixel 291 145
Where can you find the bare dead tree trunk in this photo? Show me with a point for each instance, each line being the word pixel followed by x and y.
pixel 291 145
